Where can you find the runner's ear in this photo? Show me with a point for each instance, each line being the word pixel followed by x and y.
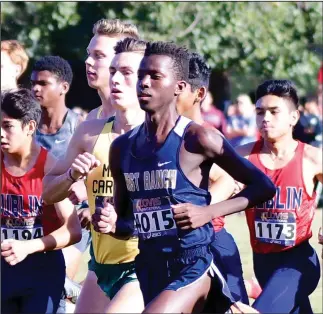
pixel 180 87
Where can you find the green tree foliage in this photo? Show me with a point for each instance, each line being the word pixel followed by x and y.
pixel 250 41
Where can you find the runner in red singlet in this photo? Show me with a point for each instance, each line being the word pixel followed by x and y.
pixel 285 264
pixel 32 234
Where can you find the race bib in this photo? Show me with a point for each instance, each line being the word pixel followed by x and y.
pixel 21 229
pixel 154 218
pixel 276 227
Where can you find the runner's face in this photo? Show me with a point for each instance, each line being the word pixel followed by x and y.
pixel 157 84
pixel 47 88
pixel 123 80
pixel 275 117
pixel 13 134
pixel 100 53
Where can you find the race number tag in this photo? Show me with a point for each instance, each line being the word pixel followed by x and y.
pixel 154 218
pixel 276 227
pixel 21 229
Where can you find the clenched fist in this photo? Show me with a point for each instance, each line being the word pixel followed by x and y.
pixel 104 218
pixel 77 192
pixel 82 165
pixel 14 251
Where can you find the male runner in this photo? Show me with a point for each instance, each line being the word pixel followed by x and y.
pixel 221 186
pixel 51 79
pixel 112 259
pixel 160 170
pixel 32 234
pixel 100 53
pixel 14 61
pixel 285 264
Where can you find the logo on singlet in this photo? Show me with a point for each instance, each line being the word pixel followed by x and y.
pixel 160 164
pixel 59 141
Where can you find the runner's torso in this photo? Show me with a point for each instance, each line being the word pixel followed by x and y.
pixel 99 184
pixel 285 221
pixel 156 182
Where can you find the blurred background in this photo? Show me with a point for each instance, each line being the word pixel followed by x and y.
pixel 244 42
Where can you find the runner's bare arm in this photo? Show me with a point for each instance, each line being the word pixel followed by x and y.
pixel 67 234
pixel 315 155
pixel 70 231
pixel 56 182
pixel 259 187
pixel 125 222
pixel 222 185
pixel 244 151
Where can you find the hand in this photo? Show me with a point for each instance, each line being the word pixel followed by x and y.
pixel 77 192
pixel 189 216
pixel 104 219
pixel 85 218
pixel 14 251
pixel 83 164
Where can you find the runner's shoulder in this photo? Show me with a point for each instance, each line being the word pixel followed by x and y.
pixel 202 134
pixel 313 154
pixel 93 114
pixel 245 150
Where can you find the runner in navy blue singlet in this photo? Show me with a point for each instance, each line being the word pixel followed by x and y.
pixel 161 172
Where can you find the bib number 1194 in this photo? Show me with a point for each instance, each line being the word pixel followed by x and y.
pixel 21 234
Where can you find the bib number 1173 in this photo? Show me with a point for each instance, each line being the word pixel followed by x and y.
pixel 275 231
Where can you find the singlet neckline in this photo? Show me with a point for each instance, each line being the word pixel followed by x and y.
pixel 108 120
pixel 55 134
pixel 132 150
pixel 297 150
pixel 40 155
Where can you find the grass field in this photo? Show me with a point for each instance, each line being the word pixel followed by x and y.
pixel 236 224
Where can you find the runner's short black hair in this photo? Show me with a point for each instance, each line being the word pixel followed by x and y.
pixel 21 105
pixel 281 88
pixel 178 54
pixel 199 72
pixel 56 65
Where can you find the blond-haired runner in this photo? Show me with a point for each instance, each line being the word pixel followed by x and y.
pixel 112 259
pixel 14 61
pixel 100 52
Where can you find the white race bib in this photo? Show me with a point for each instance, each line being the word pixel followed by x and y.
pixel 278 229
pixel 21 234
pixel 154 218
pixel 21 229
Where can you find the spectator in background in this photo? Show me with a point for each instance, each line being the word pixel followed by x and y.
pixel 231 110
pixel 241 125
pixel 213 115
pixel 14 61
pixel 309 126
pixel 80 111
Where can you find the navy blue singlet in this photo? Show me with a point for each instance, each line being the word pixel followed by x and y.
pixel 156 182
